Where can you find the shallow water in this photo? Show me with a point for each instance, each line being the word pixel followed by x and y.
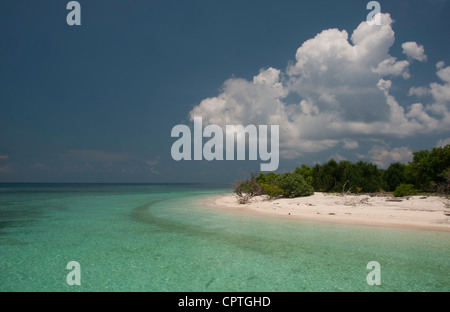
pixel 161 238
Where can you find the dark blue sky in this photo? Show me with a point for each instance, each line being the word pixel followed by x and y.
pixel 97 102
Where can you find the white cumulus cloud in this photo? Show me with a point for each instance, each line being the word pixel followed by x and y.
pixel 393 67
pixel 418 91
pixel 414 51
pixel 343 92
pixel 443 142
pixel 382 156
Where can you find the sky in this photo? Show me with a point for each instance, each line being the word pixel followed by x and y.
pixel 96 102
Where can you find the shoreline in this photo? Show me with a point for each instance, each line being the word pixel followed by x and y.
pixel 413 212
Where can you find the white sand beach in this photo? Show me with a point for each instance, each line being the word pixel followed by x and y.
pixel 418 212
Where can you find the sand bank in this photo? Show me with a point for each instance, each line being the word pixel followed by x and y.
pixel 418 212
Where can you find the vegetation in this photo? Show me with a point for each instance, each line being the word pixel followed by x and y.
pixel 272 191
pixel 405 190
pixel 336 177
pixel 292 185
pixel 429 171
pixel 247 189
pixel 394 176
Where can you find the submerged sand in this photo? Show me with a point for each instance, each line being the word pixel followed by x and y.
pixel 418 212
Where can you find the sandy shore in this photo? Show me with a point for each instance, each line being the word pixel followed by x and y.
pixel 418 212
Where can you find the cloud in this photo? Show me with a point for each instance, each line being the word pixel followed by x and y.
pixel 4 157
pixel 392 67
pixel 382 156
pixel 440 65
pixel 443 142
pixel 418 91
pixel 444 74
pixel 441 94
pixel 439 104
pixel 350 144
pixel 244 101
pixel 343 93
pixel 414 51
pixel 337 157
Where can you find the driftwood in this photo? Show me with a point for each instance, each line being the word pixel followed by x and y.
pixel 394 200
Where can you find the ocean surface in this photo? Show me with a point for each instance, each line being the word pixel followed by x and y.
pixel 160 237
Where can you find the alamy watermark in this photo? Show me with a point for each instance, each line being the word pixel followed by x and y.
pixel 74 276
pixel 374 17
pixel 74 16
pixel 374 276
pixel 213 149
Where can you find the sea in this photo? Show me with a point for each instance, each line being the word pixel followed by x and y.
pixel 163 238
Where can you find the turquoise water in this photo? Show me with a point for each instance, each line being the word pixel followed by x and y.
pixel 161 238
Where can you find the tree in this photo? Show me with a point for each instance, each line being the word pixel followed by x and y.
pixel 293 185
pixel 444 188
pixel 368 177
pixel 268 178
pixel 324 177
pixel 333 176
pixel 427 169
pixel 306 172
pixel 394 176
pixel 245 190
pixel 345 176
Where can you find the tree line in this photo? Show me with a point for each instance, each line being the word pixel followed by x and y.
pixel 428 171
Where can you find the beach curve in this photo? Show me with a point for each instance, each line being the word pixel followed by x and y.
pixel 413 212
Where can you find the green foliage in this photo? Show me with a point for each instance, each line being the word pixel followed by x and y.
pixel 249 187
pixel 429 170
pixel 444 187
pixel 359 177
pixel 394 176
pixel 275 185
pixel 405 190
pixel 368 177
pixel 324 177
pixel 306 172
pixel 293 185
pixel 345 176
pixel 428 167
pixel 272 190
pixel 267 178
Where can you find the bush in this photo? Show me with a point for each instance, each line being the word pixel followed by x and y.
pixel 272 190
pixel 293 185
pixel 247 189
pixel 405 190
pixel 287 185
